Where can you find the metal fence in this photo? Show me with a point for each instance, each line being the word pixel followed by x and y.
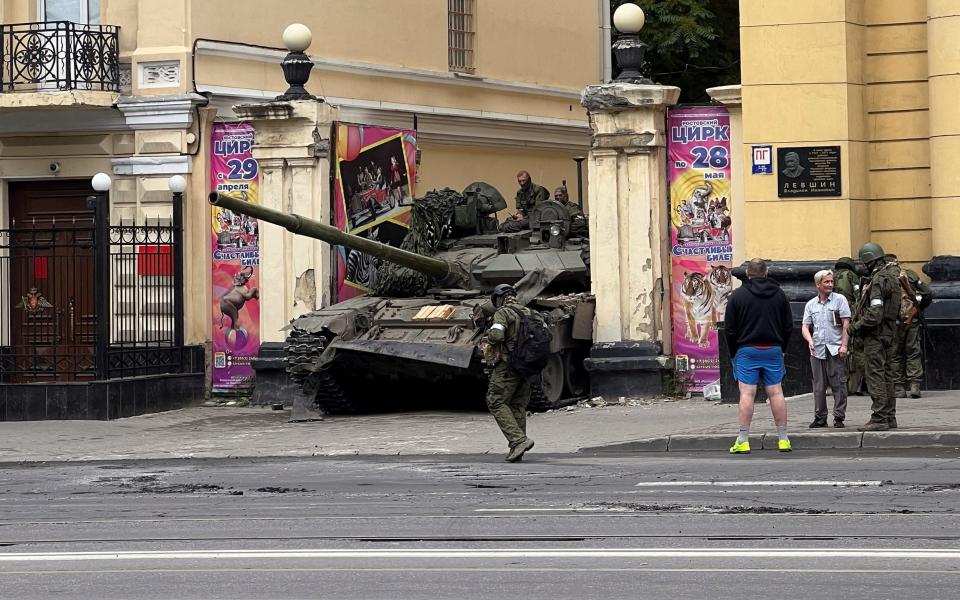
pixel 59 55
pixel 91 300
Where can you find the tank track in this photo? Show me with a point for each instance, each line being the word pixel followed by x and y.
pixel 304 348
pixel 331 398
pixel 538 402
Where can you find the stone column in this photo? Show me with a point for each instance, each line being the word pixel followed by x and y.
pixel 943 80
pixel 629 236
pixel 942 318
pixel 301 257
pixel 291 144
pixel 272 263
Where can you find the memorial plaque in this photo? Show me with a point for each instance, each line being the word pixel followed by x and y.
pixel 808 171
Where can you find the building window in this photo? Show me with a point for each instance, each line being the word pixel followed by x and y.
pixel 460 34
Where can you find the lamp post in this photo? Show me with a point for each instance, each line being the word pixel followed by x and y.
pixel 177 185
pixel 99 202
pixel 579 160
pixel 629 50
pixel 296 65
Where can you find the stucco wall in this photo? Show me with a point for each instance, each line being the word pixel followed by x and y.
pixel 854 74
pixel 551 42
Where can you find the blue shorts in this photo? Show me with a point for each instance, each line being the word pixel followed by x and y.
pixel 751 365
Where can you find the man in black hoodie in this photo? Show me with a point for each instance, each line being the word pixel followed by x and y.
pixel 757 325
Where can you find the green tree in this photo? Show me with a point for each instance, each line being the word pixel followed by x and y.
pixel 693 44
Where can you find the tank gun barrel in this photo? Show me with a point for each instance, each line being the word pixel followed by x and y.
pixel 300 225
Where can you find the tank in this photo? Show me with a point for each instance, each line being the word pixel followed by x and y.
pixel 420 330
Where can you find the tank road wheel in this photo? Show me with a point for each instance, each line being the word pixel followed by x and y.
pixel 548 390
pixel 575 376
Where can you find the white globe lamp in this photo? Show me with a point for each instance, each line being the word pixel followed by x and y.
pixel 629 18
pixel 177 184
pixel 297 37
pixel 101 182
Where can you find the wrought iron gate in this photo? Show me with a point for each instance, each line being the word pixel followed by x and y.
pixel 89 300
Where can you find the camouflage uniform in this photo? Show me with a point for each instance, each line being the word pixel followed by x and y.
pixel 908 352
pixel 846 282
pixel 578 221
pixel 527 198
pixel 875 322
pixel 508 392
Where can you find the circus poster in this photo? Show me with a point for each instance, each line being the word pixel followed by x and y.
pixel 235 252
pixel 374 181
pixel 701 241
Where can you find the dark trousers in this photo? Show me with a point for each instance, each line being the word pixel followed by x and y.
pixel 880 377
pixel 830 371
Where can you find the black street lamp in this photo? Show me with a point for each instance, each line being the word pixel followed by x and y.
pixel 296 65
pixel 629 50
pixel 99 202
pixel 177 185
pixel 579 160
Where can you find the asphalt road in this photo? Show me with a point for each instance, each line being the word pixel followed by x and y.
pixel 811 525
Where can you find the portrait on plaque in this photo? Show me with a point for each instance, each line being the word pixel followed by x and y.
pixel 808 171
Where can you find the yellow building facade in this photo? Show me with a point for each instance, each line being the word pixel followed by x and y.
pixel 492 87
pixel 879 79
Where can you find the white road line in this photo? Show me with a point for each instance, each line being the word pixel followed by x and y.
pixel 800 483
pixel 511 569
pixel 593 509
pixel 455 553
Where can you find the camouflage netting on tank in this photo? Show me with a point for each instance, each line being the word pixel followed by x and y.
pixel 429 223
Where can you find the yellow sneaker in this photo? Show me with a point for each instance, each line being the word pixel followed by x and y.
pixel 740 447
pixel 784 446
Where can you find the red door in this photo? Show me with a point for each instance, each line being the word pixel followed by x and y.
pixel 52 281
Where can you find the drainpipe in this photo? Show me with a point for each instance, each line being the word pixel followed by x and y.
pixel 606 68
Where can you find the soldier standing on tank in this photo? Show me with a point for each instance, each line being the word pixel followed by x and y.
pixel 875 322
pixel 508 392
pixel 908 353
pixel 528 196
pixel 846 282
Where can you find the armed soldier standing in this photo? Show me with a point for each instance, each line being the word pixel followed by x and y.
pixel 875 322
pixel 528 196
pixel 915 296
pixel 847 284
pixel 508 392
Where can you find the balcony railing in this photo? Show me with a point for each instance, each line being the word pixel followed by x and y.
pixel 59 55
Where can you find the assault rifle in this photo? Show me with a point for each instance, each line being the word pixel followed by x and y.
pixel 907 314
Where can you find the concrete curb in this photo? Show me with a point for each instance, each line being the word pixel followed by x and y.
pixel 843 440
pixel 713 442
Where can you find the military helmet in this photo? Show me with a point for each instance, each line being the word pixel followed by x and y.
pixel 870 253
pixel 502 291
pixel 845 262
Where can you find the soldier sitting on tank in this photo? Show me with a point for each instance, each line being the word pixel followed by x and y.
pixel 528 196
pixel 578 221
pixel 508 392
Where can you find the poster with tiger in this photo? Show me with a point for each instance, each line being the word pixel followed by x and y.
pixel 701 239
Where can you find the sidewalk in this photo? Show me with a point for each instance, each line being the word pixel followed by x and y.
pixel 651 425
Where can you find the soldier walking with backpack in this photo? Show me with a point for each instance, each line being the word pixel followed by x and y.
pixel 519 345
